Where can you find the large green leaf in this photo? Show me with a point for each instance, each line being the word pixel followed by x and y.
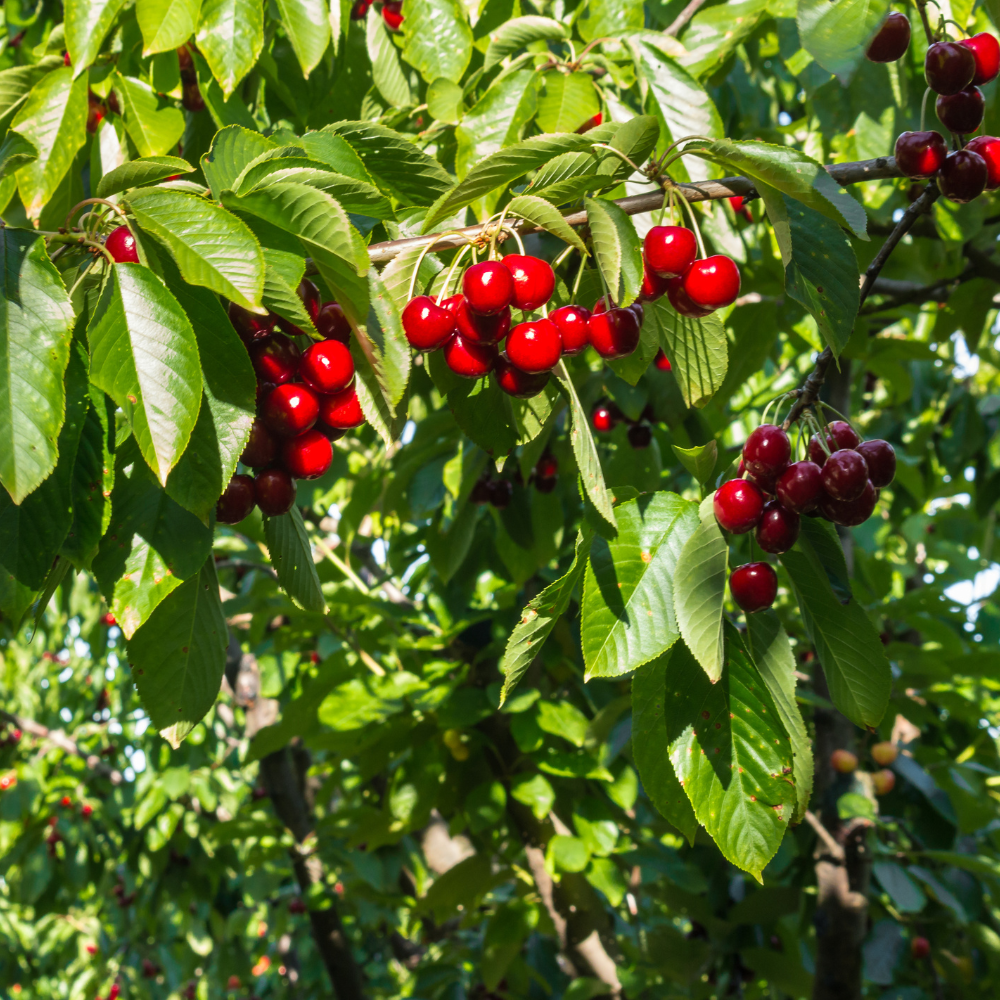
pixel 544 214
pixel 715 32
pixel 383 331
pixel 610 17
pixel 354 196
pixel 179 655
pixel 697 349
pixel 386 69
pixel 144 355
pixel 567 101
pixel 628 612
pixel 15 153
pixel 87 24
pixel 230 37
pixel 291 554
pixel 307 25
pixel 155 130
pixel 437 39
pixel 138 173
pixel 233 149
pixel 617 249
pixel 166 24
pixel 517 33
pixel 836 34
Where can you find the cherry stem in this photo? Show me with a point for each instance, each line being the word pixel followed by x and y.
pixel 579 275
pixel 923 108
pixel 563 255
pixel 836 413
pixel 451 271
pixel 96 201
pixel 618 153
pixel 922 8
pixel 694 222
pixel 420 260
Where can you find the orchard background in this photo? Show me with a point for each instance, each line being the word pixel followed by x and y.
pixel 425 734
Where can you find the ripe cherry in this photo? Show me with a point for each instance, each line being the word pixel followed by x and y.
pixel 475 328
pixel 883 782
pixel 274 491
pixel 845 474
pixel 920 154
pixel 920 947
pixel 276 359
pixel 754 586
pixel 546 484
pixel 669 250
pixel 891 40
pixel 613 333
pixel 327 366
pixel 604 416
pixel 949 67
pixel 331 323
pixel 573 324
pixel 87 811
pixel 534 280
pixel 237 501
pixel 591 123
pixel 121 245
pixel 488 287
pixel 661 361
pixel 885 753
pixel 682 302
pixel 766 452
pixel 738 505
pixel 307 456
pixel 392 14
pixel 640 312
pixel 516 382
pixel 261 448
pixel 640 436
pixel 501 492
pixel 426 324
pixel 881 459
pixel 342 410
pixel 963 175
pixel 850 513
pixel 469 359
pixel 778 528
pixel 547 466
pixel 95 113
pixel 359 10
pixel 191 97
pixel 843 761
pixel 535 346
pixel 986 51
pixel 961 112
pixel 800 487
pixel 290 409
pixel 653 286
pixel 712 283
pixel 250 326
pixel 988 147
pixel 480 492
pixel 840 434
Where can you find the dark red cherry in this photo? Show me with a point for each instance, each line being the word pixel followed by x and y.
pixel 290 409
pixel 800 487
pixel 327 366
pixel 249 325
pixel 572 322
pixel 501 492
pixel 640 312
pixel 95 112
pixel 845 473
pixel 590 123
pixel 963 176
pixel 961 112
pixel 331 323
pixel 988 147
pixel 712 283
pixel 840 434
pixel 949 67
pixel 546 484
pixel 614 333
pixel 661 361
pixel 518 383
pixel 766 452
pixel 669 250
pixel 738 505
pixel 850 513
pixel 236 502
pixel 359 9
pixel 307 456
pixel 469 359
pixel 480 492
pixel 547 466
pixel 474 328
pixel 986 51
pixel 778 528
pixel 276 359
pixel 488 287
pixel 121 245
pixel 891 40
pixel 342 410
pixel 754 586
pixel 426 324
pixel 920 154
pixel 604 416
pixel 191 97
pixel 881 459
pixel 274 491
pixel 640 435
pixel 653 286
pixel 261 448
pixel 681 301
pixel 534 280
pixel 535 346
pixel 392 14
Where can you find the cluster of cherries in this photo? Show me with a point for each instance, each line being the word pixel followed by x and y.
pixel 392 12
pixel 499 492
pixel 606 415
pixel 884 754
pixel 839 481
pixel 305 400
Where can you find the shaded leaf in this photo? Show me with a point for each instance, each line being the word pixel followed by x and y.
pixel 540 212
pixel 836 35
pixel 567 101
pixel 291 554
pixel 696 348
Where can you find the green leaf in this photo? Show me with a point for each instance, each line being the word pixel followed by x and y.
pixel 307 25
pixel 836 35
pixel 36 327
pixel 281 296
pixel 715 32
pixel 179 655
pixel 15 597
pixel 144 355
pixel 15 153
pixel 291 554
pixel 230 37
pixel 568 101
pixel 87 24
pixel 627 616
pixel 233 149
pixel 166 24
pixel 360 197
pixel 154 130
pixel 517 33
pixel 700 461
pixel 544 214
pixel 445 100
pixel 617 249
pixel 700 590
pixel 610 17
pixel 397 273
pixel 138 173
pixel 387 73
pixel 906 895
pixel 535 791
pixel 389 349
pixel 211 246
pixel 437 39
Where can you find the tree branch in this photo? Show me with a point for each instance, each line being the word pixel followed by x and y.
pixel 679 23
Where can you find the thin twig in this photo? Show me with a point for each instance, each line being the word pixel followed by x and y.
pixel 836 850
pixel 679 23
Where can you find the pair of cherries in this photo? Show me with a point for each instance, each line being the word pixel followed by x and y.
pixel 962 175
pixel 606 415
pixel 392 12
pixel 695 286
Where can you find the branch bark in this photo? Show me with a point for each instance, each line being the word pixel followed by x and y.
pixel 680 22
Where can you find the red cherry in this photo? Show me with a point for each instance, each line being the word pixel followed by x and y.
pixel 920 154
pixel 236 502
pixel 669 250
pixel 474 328
pixel 109 619
pixel 586 127
pixel 359 10
pixel 535 346
pixel 881 460
pixel 426 324
pixel 681 301
pixel 547 466
pixel 331 323
pixel 961 112
pixel 307 456
pixel 67 60
pixel 309 294
pixel 249 325
pixel 65 802
pixel 290 410
pixel 327 366
pixel 488 287
pixel 546 484
pixel 949 67
pixel 850 513
pixel 712 283
pixel 534 281
pixel 121 245
pixel 653 286
pixel 738 505
pixel 800 487
pixel 572 322
pixel 891 40
pixel 920 947
pixel 480 492
pixel 191 97
pixel 516 382
pixel 613 333
pixel 274 491
pixel 988 147
pixel 342 410
pixel 469 359
pixel 986 51
pixel 840 434
pixel 261 448
pixel 766 452
pixel 501 492
pixel 778 528
pixel 392 14
pixel 604 416
pixel 661 361
pixel 640 312
pixel 87 811
pixel 845 474
pixel 739 208
pixel 276 359
pixel 640 436
pixel 754 586
pixel 95 113
pixel 963 175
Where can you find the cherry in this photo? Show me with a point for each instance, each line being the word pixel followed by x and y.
pixel 469 359
pixel 307 456
pixel 920 947
pixel 963 175
pixel 800 487
pixel 488 287
pixel 920 154
pixel 986 51
pixel 640 435
pixel 738 505
pixel 327 366
pixel 766 452
pixel 121 245
pixel 591 123
pixel 65 802
pixel 191 97
pixel 844 475
pixel 736 201
pixel 426 324
pixel 640 312
pixel 547 466
pixel 274 491
pixel 342 410
pixel 275 359
pixel 604 416
pixel 850 513
pixel 661 361
pixel 331 323
pixel 289 410
pixel 546 484
pixel 534 280
pixel 535 346
pixel 778 528
pixel 236 501
pixel 712 283
pixel 480 492
pixel 885 753
pixel 653 285
pixel 261 448
pixel 516 382
pixel 883 782
pixel 961 112
pixel 95 113
pixel 843 761
pixel 392 14
pixel 359 10
pixel 613 333
pixel 682 302
pixel 949 67
pixel 840 434
pixel 573 324
pixel 881 460
pixel 669 250
pixel 988 147
pixel 891 40
pixel 87 811
pixel 249 325
pixel 475 328
pixel 309 294
pixel 754 586
pixel 501 492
